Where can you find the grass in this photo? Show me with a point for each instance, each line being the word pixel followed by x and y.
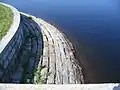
pixel 6 17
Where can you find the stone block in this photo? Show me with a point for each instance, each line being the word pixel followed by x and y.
pixel 18 74
pixel 5 55
pixel 6 63
pixel 11 54
pixel 31 64
pixel 34 46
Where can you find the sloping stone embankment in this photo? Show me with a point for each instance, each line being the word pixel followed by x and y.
pixel 31 42
pixel 58 56
pixel 10 46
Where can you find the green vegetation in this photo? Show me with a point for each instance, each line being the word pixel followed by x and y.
pixel 35 77
pixel 30 17
pixel 6 17
pixel 40 79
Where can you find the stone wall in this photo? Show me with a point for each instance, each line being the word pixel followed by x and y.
pixel 10 46
pixel 22 53
pixel 8 57
pixel 20 49
pixel 31 50
pixel 13 29
pixel 21 56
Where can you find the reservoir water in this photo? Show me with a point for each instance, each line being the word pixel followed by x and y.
pixel 92 25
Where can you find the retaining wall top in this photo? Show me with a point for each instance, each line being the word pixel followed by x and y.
pixel 15 24
pixel 60 87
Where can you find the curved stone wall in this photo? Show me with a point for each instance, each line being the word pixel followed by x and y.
pixel 20 49
pixel 13 29
pixel 58 57
pixel 8 58
pixel 10 46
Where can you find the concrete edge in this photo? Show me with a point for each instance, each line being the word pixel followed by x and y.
pixel 110 86
pixel 15 24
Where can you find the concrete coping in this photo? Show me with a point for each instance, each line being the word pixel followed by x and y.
pixel 14 26
pixel 110 86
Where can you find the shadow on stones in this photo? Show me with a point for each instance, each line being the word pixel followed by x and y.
pixel 31 49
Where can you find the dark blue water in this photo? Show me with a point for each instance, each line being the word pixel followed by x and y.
pixel 93 25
